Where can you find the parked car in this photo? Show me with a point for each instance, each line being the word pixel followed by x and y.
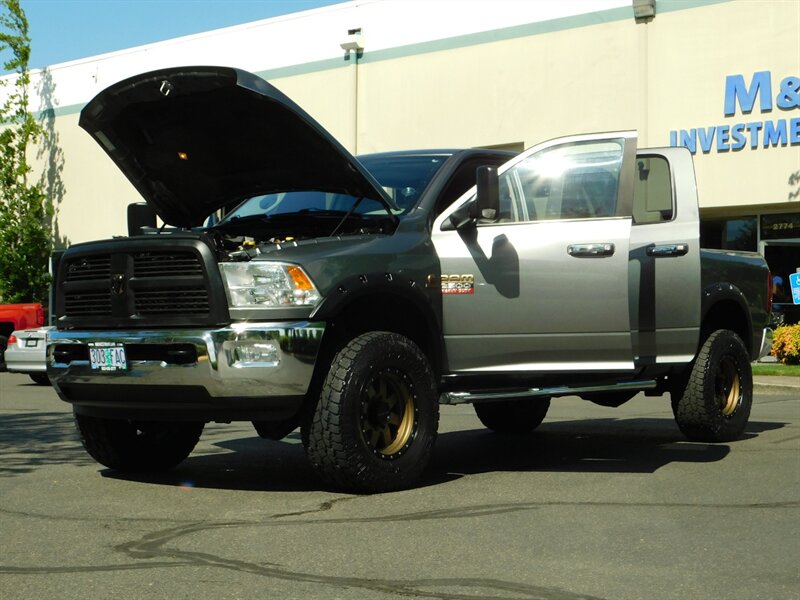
pixel 26 353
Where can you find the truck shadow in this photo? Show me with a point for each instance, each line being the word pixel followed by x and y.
pixel 591 446
pixel 29 441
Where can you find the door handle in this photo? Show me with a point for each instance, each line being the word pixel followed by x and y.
pixel 668 250
pixel 590 250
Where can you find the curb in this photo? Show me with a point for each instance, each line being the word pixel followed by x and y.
pixel 775 387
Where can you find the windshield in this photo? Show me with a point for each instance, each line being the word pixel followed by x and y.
pixel 403 176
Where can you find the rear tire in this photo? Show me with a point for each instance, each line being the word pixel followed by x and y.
pixel 714 405
pixel 513 416
pixel 136 446
pixel 374 426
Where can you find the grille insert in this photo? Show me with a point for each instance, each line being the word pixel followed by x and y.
pixel 165 264
pixel 90 268
pixel 162 286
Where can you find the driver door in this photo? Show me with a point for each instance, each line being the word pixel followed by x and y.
pixel 544 286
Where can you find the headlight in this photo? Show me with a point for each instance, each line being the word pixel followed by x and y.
pixel 268 284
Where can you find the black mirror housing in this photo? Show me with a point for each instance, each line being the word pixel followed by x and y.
pixel 488 203
pixel 140 216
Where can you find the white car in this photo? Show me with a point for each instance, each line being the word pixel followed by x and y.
pixel 26 353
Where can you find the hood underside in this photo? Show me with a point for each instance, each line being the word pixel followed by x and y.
pixel 196 139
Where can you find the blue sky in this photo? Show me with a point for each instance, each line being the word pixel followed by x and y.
pixel 64 30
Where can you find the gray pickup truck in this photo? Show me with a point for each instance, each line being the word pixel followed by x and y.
pixel 353 297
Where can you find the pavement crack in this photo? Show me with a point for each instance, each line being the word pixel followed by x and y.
pixel 323 507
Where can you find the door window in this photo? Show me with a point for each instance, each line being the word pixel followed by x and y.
pixel 578 180
pixel 652 191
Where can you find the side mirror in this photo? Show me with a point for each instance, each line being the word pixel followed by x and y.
pixel 488 205
pixel 140 216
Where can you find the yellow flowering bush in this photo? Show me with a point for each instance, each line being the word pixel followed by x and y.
pixel 786 344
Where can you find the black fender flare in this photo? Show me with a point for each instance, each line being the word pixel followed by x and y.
pixel 426 300
pixel 718 292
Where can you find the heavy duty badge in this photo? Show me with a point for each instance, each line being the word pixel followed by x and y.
pixel 453 284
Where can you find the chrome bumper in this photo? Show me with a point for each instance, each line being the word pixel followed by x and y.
pixel 225 366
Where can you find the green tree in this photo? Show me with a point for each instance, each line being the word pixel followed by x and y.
pixel 25 212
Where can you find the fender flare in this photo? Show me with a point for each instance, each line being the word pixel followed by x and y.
pixel 426 300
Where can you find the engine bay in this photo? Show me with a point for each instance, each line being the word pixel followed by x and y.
pixel 246 237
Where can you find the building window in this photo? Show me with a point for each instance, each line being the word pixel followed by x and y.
pixel 730 234
pixel 779 227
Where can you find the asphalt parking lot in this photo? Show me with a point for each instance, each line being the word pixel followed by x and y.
pixel 598 503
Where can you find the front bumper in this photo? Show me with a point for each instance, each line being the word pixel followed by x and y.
pixel 189 373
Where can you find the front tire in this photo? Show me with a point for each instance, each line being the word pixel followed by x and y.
pixel 513 416
pixel 714 405
pixel 375 424
pixel 136 446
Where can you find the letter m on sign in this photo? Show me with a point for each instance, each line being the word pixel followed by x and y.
pixel 737 91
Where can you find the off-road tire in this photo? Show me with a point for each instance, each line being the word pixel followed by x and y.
pixel 136 446
pixel 375 422
pixel 714 405
pixel 39 378
pixel 512 416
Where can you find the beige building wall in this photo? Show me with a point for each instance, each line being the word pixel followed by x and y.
pixel 689 54
pixel 587 72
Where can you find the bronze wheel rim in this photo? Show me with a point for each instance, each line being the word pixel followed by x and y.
pixel 727 387
pixel 388 414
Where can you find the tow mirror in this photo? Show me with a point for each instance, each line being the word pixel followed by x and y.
pixel 140 216
pixel 484 207
pixel 488 205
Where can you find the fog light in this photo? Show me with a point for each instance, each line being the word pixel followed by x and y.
pixel 261 353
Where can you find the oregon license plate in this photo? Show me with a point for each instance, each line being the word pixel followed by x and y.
pixel 107 356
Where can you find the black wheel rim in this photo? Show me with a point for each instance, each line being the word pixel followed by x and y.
pixel 388 416
pixel 727 387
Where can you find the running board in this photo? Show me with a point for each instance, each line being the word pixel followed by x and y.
pixel 498 395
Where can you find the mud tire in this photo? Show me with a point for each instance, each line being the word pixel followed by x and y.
pixel 714 405
pixel 374 425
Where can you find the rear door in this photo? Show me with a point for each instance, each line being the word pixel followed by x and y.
pixel 545 286
pixel 665 258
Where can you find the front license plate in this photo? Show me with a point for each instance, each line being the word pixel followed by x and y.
pixel 107 357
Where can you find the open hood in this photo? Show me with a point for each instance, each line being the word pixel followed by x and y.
pixel 196 139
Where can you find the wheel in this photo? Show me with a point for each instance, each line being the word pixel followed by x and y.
pixel 375 423
pixel 137 445
pixel 39 378
pixel 715 403
pixel 512 416
pixel 3 346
